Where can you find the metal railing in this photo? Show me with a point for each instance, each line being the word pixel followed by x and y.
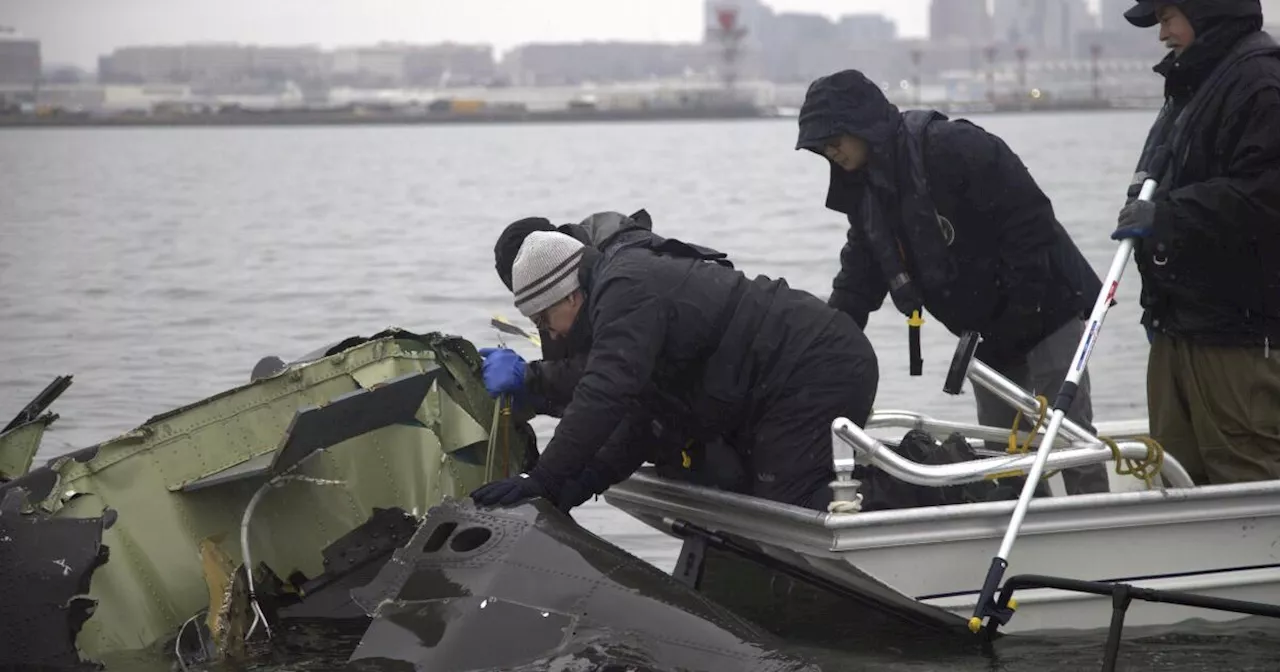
pixel 849 442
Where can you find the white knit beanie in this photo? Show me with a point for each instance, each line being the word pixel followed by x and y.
pixel 545 270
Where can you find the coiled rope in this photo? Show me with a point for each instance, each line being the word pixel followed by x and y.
pixel 1145 469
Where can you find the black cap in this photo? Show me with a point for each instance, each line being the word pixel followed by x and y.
pixel 1143 14
pixel 1202 14
pixel 509 241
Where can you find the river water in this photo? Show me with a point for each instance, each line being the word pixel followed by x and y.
pixel 159 265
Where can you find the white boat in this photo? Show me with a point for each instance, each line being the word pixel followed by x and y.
pixel 1219 541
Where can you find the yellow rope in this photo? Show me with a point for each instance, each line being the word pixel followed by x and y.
pixel 1043 403
pixel 1147 468
pixel 1017 420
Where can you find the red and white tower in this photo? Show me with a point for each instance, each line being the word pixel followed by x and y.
pixel 728 32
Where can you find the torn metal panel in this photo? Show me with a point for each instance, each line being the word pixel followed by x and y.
pixel 553 590
pixel 36 406
pixel 457 428
pixel 18 447
pixel 350 562
pixel 350 415
pixel 157 580
pixel 46 568
pixel 344 417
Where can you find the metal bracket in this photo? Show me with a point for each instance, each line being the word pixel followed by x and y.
pixel 965 350
pixel 692 561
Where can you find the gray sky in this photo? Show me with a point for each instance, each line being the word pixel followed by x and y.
pixel 78 31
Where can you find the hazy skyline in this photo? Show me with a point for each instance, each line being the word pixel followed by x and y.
pixel 78 31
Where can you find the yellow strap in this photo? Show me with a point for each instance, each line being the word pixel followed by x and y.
pixel 1035 429
pixel 1026 446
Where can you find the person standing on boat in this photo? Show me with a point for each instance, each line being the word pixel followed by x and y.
pixel 545 387
pixel 767 366
pixel 944 216
pixel 1208 242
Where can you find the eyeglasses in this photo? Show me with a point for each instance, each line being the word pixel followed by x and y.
pixel 542 319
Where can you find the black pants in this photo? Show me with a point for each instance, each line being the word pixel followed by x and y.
pixel 790 444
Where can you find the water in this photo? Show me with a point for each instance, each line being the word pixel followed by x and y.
pixel 158 265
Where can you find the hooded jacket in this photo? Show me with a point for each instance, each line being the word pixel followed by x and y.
pixel 944 215
pixel 1209 268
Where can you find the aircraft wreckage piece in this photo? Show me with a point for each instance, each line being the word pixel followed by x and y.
pixel 46 565
pixel 396 420
pixel 525 587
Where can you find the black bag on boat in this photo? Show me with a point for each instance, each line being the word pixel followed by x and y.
pixel 880 491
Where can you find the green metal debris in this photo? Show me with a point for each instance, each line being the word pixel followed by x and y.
pixel 181 482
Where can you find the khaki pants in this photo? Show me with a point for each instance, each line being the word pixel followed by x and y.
pixel 1216 409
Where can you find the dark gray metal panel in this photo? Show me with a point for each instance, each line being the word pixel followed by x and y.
pixel 353 414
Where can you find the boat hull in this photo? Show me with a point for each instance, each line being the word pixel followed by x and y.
pixel 1221 541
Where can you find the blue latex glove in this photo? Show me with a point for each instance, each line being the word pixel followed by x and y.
pixel 1151 336
pixel 1136 220
pixel 509 491
pixel 503 371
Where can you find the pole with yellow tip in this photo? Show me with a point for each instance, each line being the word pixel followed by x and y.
pixel 913 341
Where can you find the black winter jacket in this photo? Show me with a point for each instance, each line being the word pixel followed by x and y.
pixel 551 380
pixel 1211 267
pixel 699 332
pixel 952 207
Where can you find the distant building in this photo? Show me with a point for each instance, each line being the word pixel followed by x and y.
pixel 144 65
pixel 380 65
pixel 297 63
pixel 1046 28
pixel 867 28
pixel 551 64
pixel 959 20
pixel 214 64
pixel 449 64
pixel 19 59
pixel 1111 14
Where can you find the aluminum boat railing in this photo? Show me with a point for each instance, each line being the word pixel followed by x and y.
pixel 851 444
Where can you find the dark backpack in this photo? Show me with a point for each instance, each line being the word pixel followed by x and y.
pixel 880 491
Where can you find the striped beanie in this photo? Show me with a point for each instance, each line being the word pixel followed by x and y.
pixel 545 270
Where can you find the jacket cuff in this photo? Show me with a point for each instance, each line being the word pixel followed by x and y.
pixel 849 304
pixel 598 476
pixel 546 479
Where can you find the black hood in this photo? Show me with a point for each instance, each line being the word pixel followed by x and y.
pixel 847 102
pixel 601 227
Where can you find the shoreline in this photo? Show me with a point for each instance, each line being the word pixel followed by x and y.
pixel 348 117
